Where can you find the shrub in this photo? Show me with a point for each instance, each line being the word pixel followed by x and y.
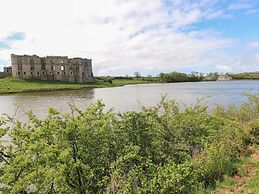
pixel 161 149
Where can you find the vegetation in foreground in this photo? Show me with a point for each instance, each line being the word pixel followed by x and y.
pixel 15 85
pixel 161 149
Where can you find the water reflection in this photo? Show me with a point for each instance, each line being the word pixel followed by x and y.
pixel 39 102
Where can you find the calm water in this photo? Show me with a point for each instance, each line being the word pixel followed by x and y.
pixel 130 97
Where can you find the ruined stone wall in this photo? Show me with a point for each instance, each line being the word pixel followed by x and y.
pixel 74 70
pixel 7 72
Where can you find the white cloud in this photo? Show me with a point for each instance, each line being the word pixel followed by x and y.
pixel 238 6
pixel 250 7
pixel 253 45
pixel 120 36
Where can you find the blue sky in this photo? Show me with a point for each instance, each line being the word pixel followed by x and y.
pixel 124 36
pixel 241 25
pixel 6 42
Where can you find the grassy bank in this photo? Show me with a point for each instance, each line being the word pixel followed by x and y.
pixel 244 180
pixel 160 149
pixel 15 85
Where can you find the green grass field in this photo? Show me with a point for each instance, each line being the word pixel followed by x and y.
pixel 15 85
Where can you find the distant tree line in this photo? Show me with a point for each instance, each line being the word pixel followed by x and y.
pixel 180 77
pixel 246 76
pixel 107 79
pixel 162 77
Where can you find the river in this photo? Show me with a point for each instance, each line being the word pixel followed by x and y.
pixel 130 97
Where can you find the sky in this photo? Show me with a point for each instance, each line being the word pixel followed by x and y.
pixel 125 36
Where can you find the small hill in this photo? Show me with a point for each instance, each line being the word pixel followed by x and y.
pixel 246 75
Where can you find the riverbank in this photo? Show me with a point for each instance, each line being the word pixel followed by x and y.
pixel 11 85
pixel 246 179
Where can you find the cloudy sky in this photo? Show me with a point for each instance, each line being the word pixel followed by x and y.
pixel 124 36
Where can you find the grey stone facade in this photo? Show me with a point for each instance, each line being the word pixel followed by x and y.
pixel 7 72
pixel 62 68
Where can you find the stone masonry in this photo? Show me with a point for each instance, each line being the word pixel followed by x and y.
pixel 62 68
pixel 7 72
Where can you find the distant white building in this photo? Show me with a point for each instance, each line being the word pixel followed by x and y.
pixel 224 77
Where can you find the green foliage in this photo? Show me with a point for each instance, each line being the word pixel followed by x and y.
pixel 107 79
pixel 246 76
pixel 180 77
pixel 161 149
pixel 137 74
pixel 212 76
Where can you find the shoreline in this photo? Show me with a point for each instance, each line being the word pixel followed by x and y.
pixel 47 86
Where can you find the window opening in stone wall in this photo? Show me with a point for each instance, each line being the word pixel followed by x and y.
pixel 19 66
pixel 31 73
pixel 53 68
pixel 38 73
pixel 31 61
pixel 62 67
pixel 32 67
pixel 71 73
pixel 58 73
pixel 19 73
pixel 43 65
pixel 24 73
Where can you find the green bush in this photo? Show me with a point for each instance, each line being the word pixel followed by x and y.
pixel 161 149
pixel 107 79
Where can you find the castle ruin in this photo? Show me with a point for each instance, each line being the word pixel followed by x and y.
pixel 7 72
pixel 62 68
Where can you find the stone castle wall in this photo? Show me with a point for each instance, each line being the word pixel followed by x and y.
pixel 7 72
pixel 74 70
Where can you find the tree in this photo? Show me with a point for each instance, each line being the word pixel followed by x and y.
pixel 137 74
pixel 149 78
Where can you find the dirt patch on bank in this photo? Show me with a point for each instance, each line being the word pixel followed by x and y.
pixel 241 179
